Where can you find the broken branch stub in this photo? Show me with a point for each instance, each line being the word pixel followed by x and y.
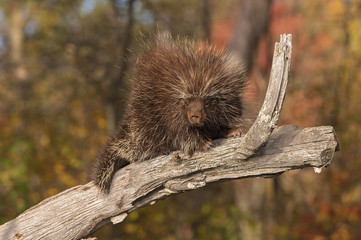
pixel 268 116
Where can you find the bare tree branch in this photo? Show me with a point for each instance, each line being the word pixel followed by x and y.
pixel 271 109
pixel 77 212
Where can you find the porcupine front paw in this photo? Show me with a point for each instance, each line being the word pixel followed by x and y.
pixel 205 145
pixel 235 132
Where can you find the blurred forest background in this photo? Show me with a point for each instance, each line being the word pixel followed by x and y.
pixel 65 68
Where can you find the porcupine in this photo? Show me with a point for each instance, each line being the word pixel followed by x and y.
pixel 184 95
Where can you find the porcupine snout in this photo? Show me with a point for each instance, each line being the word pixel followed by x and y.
pixel 196 114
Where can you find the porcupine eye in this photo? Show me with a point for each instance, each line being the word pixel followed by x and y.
pixel 210 102
pixel 186 102
pixel 207 102
pixel 211 105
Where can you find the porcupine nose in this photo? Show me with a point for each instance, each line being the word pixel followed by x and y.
pixel 196 113
pixel 195 118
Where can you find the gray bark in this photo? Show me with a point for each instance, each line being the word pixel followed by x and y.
pixel 264 151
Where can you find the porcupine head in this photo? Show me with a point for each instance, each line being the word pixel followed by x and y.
pixel 197 93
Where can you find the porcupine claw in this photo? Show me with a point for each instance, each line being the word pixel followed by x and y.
pixel 235 132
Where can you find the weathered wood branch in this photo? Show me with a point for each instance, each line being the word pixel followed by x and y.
pixel 272 104
pixel 264 151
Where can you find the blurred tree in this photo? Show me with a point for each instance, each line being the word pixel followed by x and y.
pixel 43 121
pixel 251 25
pixel 106 74
pixel 18 75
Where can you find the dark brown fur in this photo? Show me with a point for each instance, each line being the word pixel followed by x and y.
pixel 184 95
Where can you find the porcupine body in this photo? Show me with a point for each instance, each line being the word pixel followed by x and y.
pixel 184 95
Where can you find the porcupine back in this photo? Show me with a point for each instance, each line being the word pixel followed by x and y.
pixel 166 77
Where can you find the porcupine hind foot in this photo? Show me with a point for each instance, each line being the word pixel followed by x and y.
pixel 105 172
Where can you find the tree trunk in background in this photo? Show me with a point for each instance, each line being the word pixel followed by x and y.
pixel 123 24
pixel 251 25
pixel 20 80
pixel 251 195
pixel 16 37
pixel 341 84
pixel 206 21
pixel 16 33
